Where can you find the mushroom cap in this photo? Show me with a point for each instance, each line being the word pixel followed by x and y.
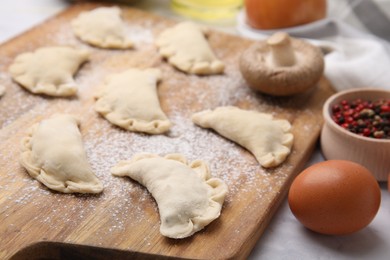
pixel 261 74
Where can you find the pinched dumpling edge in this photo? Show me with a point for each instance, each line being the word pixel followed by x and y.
pixel 215 200
pixel 108 41
pixel 36 172
pixel 39 81
pixel 169 50
pixel 104 107
pixel 270 158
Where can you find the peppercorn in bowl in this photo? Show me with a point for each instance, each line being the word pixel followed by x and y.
pixel 357 128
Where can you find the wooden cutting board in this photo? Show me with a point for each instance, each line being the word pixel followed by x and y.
pixel 123 222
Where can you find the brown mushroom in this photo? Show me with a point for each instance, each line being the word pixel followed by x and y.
pixel 282 65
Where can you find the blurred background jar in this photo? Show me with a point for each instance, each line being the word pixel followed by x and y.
pixel 275 14
pixel 213 11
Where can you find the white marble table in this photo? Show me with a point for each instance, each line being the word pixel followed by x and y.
pixel 285 237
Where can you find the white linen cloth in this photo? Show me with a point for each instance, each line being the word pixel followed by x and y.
pixel 354 57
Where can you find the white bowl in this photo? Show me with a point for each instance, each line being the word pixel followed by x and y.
pixel 339 143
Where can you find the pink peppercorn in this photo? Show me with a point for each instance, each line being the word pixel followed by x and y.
pixel 385 108
pixel 363 117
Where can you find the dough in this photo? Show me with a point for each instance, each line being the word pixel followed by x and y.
pixel 186 48
pixel 49 70
pixel 102 27
pixel 268 139
pixel 188 198
pixel 129 100
pixel 53 154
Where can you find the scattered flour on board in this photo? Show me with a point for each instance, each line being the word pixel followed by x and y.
pixel 106 145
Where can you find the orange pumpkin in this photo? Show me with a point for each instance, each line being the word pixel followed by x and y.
pixel 275 14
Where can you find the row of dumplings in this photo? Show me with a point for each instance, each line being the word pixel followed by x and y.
pixel 53 152
pixel 187 196
pixel 50 70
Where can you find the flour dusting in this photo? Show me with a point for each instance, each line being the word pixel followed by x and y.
pixel 125 205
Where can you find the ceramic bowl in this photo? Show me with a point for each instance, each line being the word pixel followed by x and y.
pixel 339 143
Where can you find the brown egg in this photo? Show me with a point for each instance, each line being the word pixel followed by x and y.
pixel 335 197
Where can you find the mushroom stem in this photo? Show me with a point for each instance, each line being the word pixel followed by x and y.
pixel 282 52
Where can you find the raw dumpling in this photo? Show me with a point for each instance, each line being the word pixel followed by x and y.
pixel 49 70
pixel 188 198
pixel 53 154
pixel 129 100
pixel 268 139
pixel 102 27
pixel 186 48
